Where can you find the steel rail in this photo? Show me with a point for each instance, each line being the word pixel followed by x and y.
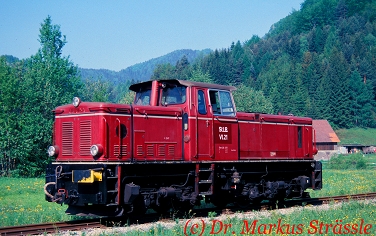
pixel 50 227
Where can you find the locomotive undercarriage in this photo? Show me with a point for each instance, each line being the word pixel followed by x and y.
pixel 115 189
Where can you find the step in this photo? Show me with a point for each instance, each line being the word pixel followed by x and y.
pixel 112 204
pixel 205 170
pixel 205 193
pixel 205 182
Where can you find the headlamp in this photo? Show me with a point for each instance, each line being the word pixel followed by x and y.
pixel 53 151
pixel 76 101
pixel 96 150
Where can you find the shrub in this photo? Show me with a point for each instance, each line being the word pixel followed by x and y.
pixel 351 161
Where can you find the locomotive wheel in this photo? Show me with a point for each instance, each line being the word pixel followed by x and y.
pixel 137 208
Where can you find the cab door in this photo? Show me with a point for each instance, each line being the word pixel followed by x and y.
pixel 204 132
pixel 303 141
pixel 225 125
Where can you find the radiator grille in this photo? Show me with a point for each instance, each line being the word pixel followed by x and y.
pixel 85 137
pixel 123 151
pixel 67 138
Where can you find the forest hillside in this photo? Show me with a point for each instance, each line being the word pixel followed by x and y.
pixel 319 61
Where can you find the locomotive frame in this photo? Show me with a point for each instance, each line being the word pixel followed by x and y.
pixel 178 143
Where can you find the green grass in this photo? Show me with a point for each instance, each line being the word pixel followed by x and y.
pixel 339 182
pixel 357 136
pixel 333 219
pixel 348 174
pixel 22 202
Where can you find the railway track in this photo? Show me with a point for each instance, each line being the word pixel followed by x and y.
pixel 106 222
pixel 51 227
pixel 326 200
pixel 360 196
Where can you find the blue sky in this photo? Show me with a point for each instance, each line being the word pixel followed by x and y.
pixel 117 34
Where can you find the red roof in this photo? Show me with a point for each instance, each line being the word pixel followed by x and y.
pixel 324 132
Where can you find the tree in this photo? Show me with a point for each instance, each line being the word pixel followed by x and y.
pixel 8 105
pixel 128 97
pixel 163 71
pixel 361 101
pixel 96 91
pixel 339 104
pixel 249 100
pixel 199 76
pixel 51 40
pixel 48 80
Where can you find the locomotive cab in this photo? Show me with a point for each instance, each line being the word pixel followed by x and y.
pixel 177 143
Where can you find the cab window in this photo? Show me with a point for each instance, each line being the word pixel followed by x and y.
pixel 221 103
pixel 143 97
pixel 173 94
pixel 201 102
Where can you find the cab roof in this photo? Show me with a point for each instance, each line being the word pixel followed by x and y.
pixel 147 84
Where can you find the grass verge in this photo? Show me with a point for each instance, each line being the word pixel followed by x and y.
pixel 22 202
pixel 352 218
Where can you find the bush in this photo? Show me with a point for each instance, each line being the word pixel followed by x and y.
pixel 351 161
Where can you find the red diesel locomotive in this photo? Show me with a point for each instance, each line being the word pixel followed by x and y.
pixel 178 143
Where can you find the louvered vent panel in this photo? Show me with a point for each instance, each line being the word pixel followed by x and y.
pixel 161 150
pixel 171 150
pixel 139 150
pixel 85 137
pixel 123 150
pixel 150 150
pixel 67 139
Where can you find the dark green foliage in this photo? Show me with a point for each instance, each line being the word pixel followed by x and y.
pixel 249 100
pixel 199 76
pixel 163 71
pixel 318 62
pixel 10 59
pixel 30 90
pixel 96 91
pixel 362 100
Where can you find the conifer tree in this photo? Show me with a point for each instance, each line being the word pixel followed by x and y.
pixel 339 90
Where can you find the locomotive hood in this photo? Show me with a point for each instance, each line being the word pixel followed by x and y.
pixel 87 107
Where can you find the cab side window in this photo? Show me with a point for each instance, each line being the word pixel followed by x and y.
pixel 221 103
pixel 201 102
pixel 143 97
pixel 173 94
